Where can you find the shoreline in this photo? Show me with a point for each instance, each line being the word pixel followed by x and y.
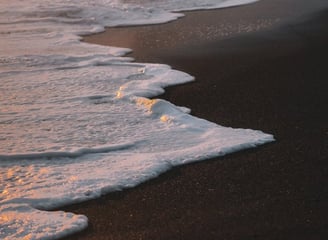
pixel 203 26
pixel 272 80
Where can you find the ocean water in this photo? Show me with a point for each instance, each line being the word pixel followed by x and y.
pixel 79 120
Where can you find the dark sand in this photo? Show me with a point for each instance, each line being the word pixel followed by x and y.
pixel 274 80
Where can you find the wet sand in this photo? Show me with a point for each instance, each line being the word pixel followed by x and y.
pixel 274 79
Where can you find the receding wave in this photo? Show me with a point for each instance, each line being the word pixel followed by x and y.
pixel 86 108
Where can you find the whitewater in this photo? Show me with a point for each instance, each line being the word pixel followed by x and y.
pixel 79 120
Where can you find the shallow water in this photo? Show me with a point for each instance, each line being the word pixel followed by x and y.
pixel 76 119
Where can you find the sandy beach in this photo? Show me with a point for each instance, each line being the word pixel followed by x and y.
pixel 261 66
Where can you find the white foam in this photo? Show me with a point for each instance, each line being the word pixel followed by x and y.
pixel 76 120
pixel 37 224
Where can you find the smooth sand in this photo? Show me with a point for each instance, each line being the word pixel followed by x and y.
pixel 275 80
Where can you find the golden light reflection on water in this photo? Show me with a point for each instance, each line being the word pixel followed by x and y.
pixel 25 176
pixel 147 103
pixel 165 118
pixel 73 178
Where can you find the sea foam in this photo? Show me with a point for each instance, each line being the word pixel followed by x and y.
pixel 77 120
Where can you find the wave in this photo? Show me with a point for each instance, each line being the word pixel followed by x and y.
pixel 61 93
